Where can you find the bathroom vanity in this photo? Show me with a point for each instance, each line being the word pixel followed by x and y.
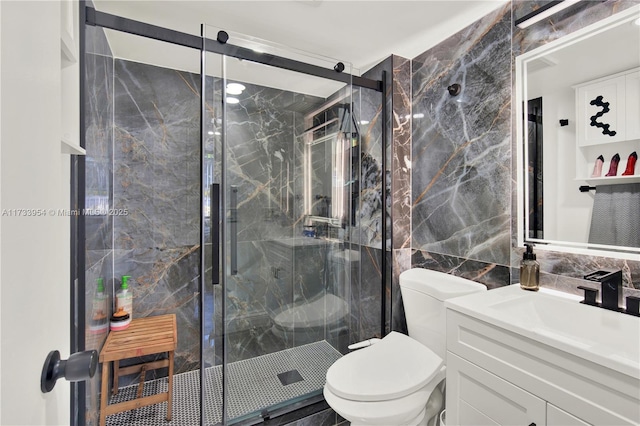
pixel 516 357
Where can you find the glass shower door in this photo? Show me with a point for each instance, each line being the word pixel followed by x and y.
pixel 278 148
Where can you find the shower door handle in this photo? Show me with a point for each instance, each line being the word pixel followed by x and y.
pixel 233 228
pixel 215 233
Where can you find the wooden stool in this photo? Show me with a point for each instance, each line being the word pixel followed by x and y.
pixel 145 336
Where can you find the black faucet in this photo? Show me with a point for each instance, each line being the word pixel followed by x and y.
pixel 610 289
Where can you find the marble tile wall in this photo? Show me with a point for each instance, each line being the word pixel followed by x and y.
pixel 367 280
pixel 400 204
pixel 98 109
pixel 156 178
pixel 463 154
pixel 156 168
pixel 395 73
pixel 461 151
pixel 367 229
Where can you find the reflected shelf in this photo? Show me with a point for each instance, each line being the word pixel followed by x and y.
pixel 611 180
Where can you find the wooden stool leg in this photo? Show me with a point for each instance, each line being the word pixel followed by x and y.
pixel 143 373
pixel 116 375
pixel 170 396
pixel 104 393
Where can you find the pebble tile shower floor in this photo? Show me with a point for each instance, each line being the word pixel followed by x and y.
pixel 254 385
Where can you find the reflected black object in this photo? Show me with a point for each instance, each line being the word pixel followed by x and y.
pixel 611 286
pixel 79 367
pixel 586 188
pixel 590 295
pixel 633 306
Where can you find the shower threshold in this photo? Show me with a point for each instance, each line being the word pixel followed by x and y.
pixel 262 385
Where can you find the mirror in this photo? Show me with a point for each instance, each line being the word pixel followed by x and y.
pixel 328 146
pixel 579 97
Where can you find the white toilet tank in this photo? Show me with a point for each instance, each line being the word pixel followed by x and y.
pixel 423 294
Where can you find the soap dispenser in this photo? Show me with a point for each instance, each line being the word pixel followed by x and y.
pixel 529 270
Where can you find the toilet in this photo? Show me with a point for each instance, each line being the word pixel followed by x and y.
pixel 326 313
pixel 395 381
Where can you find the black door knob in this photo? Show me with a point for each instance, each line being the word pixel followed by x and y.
pixel 80 366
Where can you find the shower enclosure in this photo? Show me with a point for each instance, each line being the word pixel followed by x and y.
pixel 254 191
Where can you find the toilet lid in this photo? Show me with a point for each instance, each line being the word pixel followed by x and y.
pixel 324 310
pixel 395 367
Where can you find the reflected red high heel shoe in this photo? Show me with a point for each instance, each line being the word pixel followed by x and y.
pixel 631 164
pixel 613 167
pixel 597 167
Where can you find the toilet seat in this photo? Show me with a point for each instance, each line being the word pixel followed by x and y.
pixel 406 410
pixel 395 367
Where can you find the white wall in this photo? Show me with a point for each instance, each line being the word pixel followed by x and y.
pixel 0 221
pixel 567 211
pixel 34 251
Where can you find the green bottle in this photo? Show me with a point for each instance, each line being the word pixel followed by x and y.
pixel 124 297
pixel 100 306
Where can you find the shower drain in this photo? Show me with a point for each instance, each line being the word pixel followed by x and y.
pixel 289 377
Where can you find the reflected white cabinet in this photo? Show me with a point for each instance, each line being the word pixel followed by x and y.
pixel 600 111
pixel 608 123
pixel 632 109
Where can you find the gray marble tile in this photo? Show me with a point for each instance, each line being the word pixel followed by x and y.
pixel 401 153
pixel 98 195
pixel 562 23
pixel 490 274
pixel 460 188
pixel 401 263
pixel 157 157
pixel 323 418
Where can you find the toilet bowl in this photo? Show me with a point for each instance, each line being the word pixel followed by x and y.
pixel 365 388
pixel 395 381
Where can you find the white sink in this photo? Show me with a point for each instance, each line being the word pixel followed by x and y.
pixel 608 338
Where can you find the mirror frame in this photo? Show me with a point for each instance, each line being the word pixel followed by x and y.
pixel 632 253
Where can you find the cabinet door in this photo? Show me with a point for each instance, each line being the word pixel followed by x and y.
pixel 600 112
pixel 476 397
pixel 632 113
pixel 558 417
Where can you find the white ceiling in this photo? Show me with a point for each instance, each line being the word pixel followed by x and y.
pixel 360 33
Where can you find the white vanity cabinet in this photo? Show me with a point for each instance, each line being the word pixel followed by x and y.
pixel 607 122
pixel 478 397
pixel 499 377
pixel 482 398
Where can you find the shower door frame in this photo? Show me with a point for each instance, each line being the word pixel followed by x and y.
pixel 90 16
